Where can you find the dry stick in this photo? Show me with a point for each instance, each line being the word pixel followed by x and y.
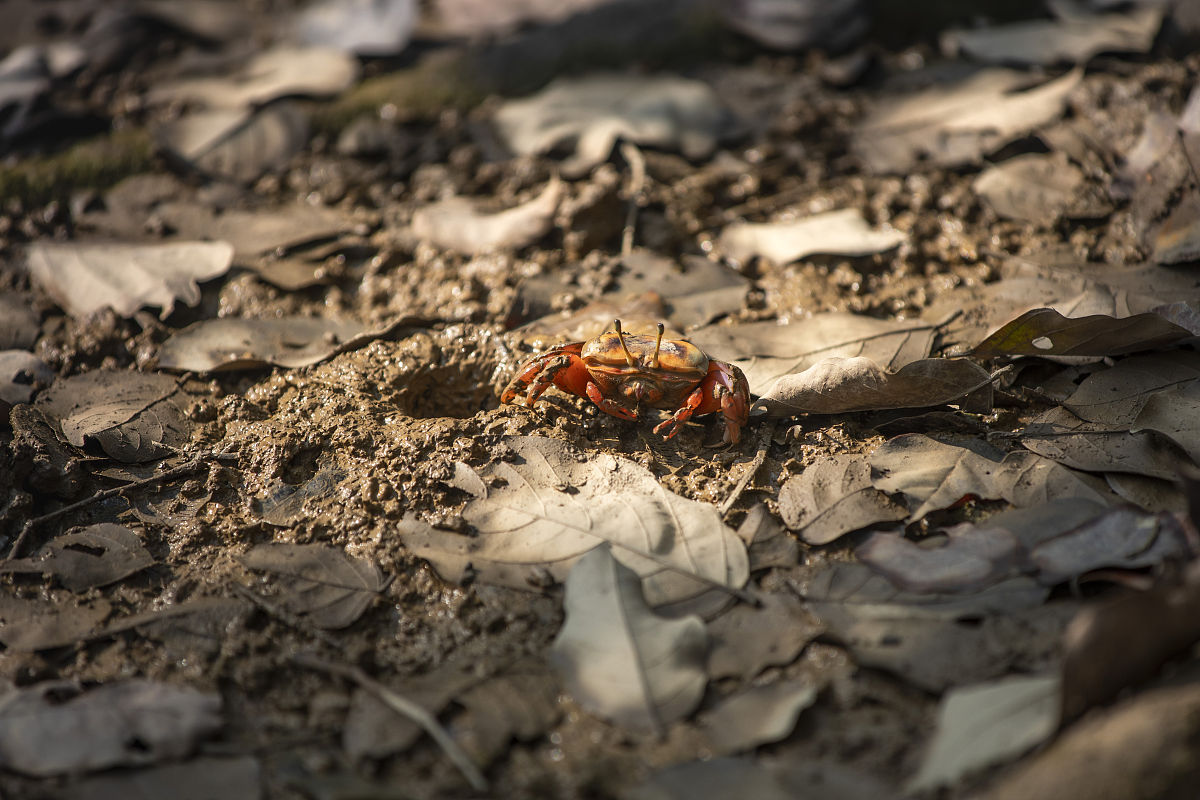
pixel 183 469
pixel 406 708
pixel 764 444
pixel 637 183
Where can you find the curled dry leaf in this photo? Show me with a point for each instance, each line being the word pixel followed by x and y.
pixel 133 415
pixel 229 343
pixel 94 556
pixel 1124 538
pixel 959 122
pixel 592 113
pixel 1046 332
pixel 132 722
pixel 988 724
pixel 843 385
pixel 280 72
pixel 536 516
pixel 834 496
pixel 617 658
pixel 454 224
pixel 326 586
pixel 766 351
pixel 84 278
pixel 843 232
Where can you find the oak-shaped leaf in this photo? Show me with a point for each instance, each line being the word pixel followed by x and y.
pixel 988 724
pixel 230 343
pixel 134 416
pixel 536 516
pixel 766 351
pixel 84 278
pixel 329 588
pixel 842 232
pixel 97 555
pixel 620 660
pixel 1045 332
pixel 834 496
pixel 842 385
pixel 455 224
pixel 759 715
pixel 130 722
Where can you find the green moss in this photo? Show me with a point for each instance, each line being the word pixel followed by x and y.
pixel 92 164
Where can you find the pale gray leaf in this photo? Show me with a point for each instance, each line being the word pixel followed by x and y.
pixel 238 144
pixel 282 71
pixel 21 373
pixel 362 27
pixel 842 232
pixel 759 715
pixel 455 224
pixel 1034 187
pixel 972 557
pixel 1116 396
pixel 834 496
pixel 230 343
pixel 746 640
pixel 1074 38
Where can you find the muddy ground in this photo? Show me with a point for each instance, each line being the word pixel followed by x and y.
pixel 384 425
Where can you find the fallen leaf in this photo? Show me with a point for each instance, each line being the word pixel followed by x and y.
pixel 972 557
pixel 933 475
pixel 1073 38
pixel 843 385
pixel 988 724
pixel 746 640
pixel 84 278
pixel 97 555
pixel 766 351
pixel 843 232
pixel 1160 132
pixel 253 233
pixel 362 27
pixel 21 373
pixel 1151 494
pixel 229 343
pixel 1035 188
pixel 593 112
pixel 192 630
pixel 481 18
pixel 282 71
pixel 759 715
pixel 1095 447
pixel 768 543
pixel 1123 538
pixel 214 20
pixel 536 516
pixel 454 224
pixel 133 415
pixel 27 626
pixel 714 779
pixel 696 290
pixel 620 660
pixel 832 25
pixel 1174 413
pixel 959 122
pixel 199 779
pixel 521 704
pixel 1045 332
pixel 1116 396
pixel 129 722
pixel 1178 239
pixel 834 496
pixel 20 325
pixel 285 506
pixel 325 586
pixel 237 143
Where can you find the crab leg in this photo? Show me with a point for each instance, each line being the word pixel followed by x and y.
pixel 606 405
pixel 681 415
pixel 561 367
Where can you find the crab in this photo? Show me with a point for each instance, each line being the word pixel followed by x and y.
pixel 624 372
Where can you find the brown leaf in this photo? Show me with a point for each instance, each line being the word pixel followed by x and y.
pixel 1036 188
pixel 93 556
pixel 759 715
pixel 973 557
pixel 454 224
pixel 30 625
pixel 834 496
pixel 268 75
pixel 1095 447
pixel 1075 37
pixel 199 779
pixel 1045 332
pixel 229 343
pixel 521 704
pixel 329 588
pixel 746 640
pixel 238 144
pixel 1116 396
pixel 20 374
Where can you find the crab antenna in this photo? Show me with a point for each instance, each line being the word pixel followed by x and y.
pixel 621 336
pixel 657 345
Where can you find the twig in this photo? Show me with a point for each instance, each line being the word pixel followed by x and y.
pixel 764 444
pixel 637 182
pixel 406 708
pixel 285 616
pixel 174 472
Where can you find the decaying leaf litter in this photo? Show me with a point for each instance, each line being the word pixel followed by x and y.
pixel 271 535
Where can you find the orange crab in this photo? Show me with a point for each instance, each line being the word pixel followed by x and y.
pixel 623 372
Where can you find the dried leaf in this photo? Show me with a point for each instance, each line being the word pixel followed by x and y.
pixel 973 557
pixel 592 113
pixel 93 556
pixel 747 640
pixel 988 724
pixel 254 233
pixel 1034 187
pixel 30 625
pixel 229 343
pixel 1060 435
pixel 617 658
pixel 1074 38
pixel 1175 414
pixel 286 505
pixel 843 232
pixel 20 325
pixel 1116 396
pixel 133 415
pixel 834 496
pixel 362 27
pixel 1045 332
pixel 520 704
pixel 842 385
pixel 1122 538
pixel 237 143
pixel 696 290
pixel 329 588
pixel 766 351
pixel 20 373
pixel 959 122
pixel 454 224
pixel 760 715
pixel 84 278
pixel 932 475
pixel 715 779
pixel 768 543
pixel 199 779
pixel 536 516
pixel 279 72
pixel 1178 240
pixel 126 723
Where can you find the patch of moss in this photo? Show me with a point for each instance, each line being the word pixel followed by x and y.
pixel 91 164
